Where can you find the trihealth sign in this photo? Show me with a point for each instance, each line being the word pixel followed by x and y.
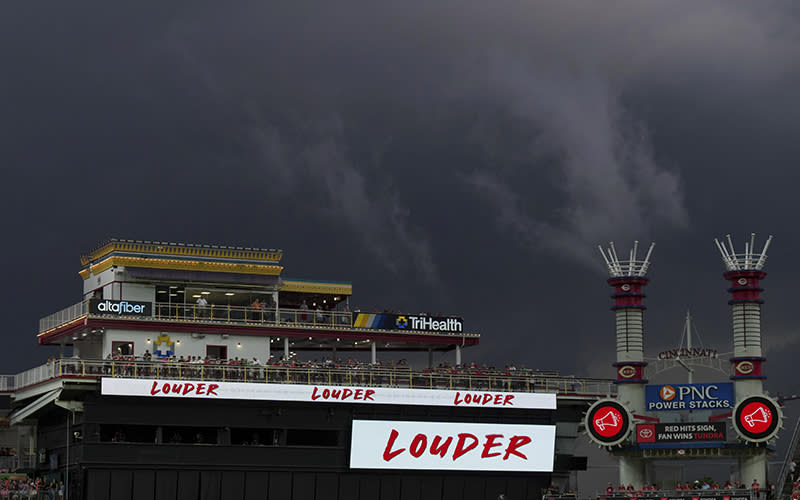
pixel 203 389
pixel 386 321
pixel 378 444
pixel 682 397
pixel 120 307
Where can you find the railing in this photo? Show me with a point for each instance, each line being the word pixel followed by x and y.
pixel 785 490
pixel 7 383
pixel 215 313
pixel 709 493
pixel 35 375
pixel 370 376
pixel 251 315
pixel 8 463
pixel 63 316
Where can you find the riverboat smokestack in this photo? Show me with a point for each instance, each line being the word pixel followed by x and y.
pixel 628 278
pixel 745 272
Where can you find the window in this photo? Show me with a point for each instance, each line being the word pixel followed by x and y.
pixel 122 348
pixel 217 351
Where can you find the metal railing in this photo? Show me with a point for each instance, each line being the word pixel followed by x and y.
pixel 35 375
pixel 251 315
pixel 709 493
pixel 370 376
pixel 64 316
pixel 785 488
pixel 7 383
pixel 215 313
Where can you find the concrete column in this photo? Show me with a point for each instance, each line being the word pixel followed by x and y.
pixel 374 348
pixel 458 355
pixel 269 349
pixel 632 471
pixel 286 348
pixel 754 467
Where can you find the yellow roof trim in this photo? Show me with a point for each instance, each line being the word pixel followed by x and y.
pixel 182 250
pixel 185 265
pixel 317 287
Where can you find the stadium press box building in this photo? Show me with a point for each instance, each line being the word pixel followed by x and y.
pixel 182 375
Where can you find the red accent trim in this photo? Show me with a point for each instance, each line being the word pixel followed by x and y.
pixel 720 417
pixel 646 418
pixel 257 331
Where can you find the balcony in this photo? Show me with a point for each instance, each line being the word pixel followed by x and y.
pixel 362 375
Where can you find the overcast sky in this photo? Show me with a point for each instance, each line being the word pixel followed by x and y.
pixel 457 156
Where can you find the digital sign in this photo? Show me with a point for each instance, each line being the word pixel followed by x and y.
pixel 757 419
pixel 684 397
pixel 204 389
pixel 608 422
pixel 681 432
pixel 381 444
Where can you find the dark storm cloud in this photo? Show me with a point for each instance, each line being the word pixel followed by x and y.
pixel 459 156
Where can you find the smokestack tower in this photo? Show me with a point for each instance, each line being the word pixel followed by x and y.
pixel 629 277
pixel 744 271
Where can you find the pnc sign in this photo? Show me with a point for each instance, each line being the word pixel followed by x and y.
pixel 682 397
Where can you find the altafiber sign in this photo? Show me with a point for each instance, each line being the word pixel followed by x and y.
pixel 683 397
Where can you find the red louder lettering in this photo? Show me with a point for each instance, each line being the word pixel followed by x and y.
pixel 187 388
pixel 462 438
pixel 418 445
pixel 211 389
pixel 436 449
pixel 489 445
pixel 515 443
pixel 387 454
pixel 201 388
pixel 154 390
pixel 314 395
pixel 368 394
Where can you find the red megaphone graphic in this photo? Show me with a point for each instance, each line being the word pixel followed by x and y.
pixel 610 419
pixel 760 416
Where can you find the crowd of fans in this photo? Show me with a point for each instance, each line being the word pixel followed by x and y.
pixel 325 370
pixel 30 488
pixel 693 488
pixel 7 452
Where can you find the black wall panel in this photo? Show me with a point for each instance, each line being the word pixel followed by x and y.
pixel 369 488
pixel 98 486
pixel 121 484
pixel 166 485
pixel 232 485
pixel 453 488
pixel 327 487
pixel 256 485
pixel 474 488
pixel 280 485
pixel 188 485
pixel 348 486
pixel 410 487
pixel 431 488
pixel 390 487
pixel 303 486
pixel 144 484
pixel 210 485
